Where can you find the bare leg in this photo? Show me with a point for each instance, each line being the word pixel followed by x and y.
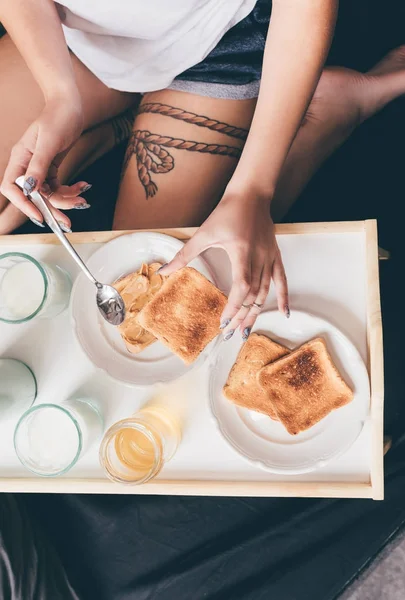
pixel 181 155
pixel 185 186
pixel 22 101
pixel 342 101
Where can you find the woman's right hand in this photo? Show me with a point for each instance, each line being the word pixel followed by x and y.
pixel 38 155
pixel 242 226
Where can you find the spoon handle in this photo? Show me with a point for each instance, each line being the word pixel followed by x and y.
pixel 50 220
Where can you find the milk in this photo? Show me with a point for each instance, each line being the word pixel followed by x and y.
pixel 51 438
pixel 88 418
pixel 26 287
pixel 18 388
pixel 22 289
pixel 51 441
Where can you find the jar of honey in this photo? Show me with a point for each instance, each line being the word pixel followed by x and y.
pixel 134 450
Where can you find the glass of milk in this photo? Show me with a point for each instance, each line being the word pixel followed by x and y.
pixel 18 388
pixel 30 288
pixel 50 438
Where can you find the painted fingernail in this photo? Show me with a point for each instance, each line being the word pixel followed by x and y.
pixel 82 206
pixel 287 311
pixel 36 222
pixel 162 267
pixel 229 335
pixel 246 333
pixel 64 227
pixel 224 323
pixel 86 188
pixel 29 185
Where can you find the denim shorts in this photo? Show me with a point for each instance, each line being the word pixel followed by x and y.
pixel 233 69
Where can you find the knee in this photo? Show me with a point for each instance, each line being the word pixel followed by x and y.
pixel 3 217
pixel 3 200
pixel 10 217
pixel 3 203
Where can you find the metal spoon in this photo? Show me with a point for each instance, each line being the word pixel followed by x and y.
pixel 109 301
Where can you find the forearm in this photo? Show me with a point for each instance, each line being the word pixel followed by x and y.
pixel 297 43
pixel 35 28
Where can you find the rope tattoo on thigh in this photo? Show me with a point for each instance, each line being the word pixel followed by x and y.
pixel 122 125
pixel 194 119
pixel 152 157
pixel 150 148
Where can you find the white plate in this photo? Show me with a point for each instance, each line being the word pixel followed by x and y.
pixel 102 342
pixel 265 442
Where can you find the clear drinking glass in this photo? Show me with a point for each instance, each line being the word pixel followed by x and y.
pixel 18 388
pixel 135 450
pixel 30 288
pixel 50 438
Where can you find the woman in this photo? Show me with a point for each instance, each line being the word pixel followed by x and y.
pixel 195 120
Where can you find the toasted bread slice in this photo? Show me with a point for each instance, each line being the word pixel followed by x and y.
pixel 242 387
pixel 304 387
pixel 185 313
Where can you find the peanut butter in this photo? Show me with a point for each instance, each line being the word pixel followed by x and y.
pixel 136 290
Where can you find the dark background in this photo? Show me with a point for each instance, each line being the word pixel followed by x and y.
pixel 169 548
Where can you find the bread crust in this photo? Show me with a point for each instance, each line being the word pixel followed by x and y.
pixel 304 387
pixel 242 387
pixel 185 313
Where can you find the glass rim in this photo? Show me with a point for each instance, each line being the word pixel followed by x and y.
pixel 46 285
pixel 5 358
pixel 110 434
pixel 21 420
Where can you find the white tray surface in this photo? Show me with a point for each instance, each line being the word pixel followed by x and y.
pixel 327 277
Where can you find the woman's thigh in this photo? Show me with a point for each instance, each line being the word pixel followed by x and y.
pixel 180 157
pixel 22 101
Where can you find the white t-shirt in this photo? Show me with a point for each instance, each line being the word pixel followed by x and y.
pixel 142 45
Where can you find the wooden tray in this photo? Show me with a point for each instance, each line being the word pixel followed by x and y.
pixel 333 264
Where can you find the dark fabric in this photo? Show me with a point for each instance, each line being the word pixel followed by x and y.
pixel 363 34
pixel 30 569
pixel 169 548
pixel 238 57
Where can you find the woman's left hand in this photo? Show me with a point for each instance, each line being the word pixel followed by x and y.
pixel 241 224
pixel 38 155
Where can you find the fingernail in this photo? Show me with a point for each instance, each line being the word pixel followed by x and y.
pixel 224 323
pixel 162 267
pixel 287 311
pixel 246 333
pixel 82 206
pixel 64 227
pixel 29 185
pixel 229 335
pixel 86 188
pixel 36 222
